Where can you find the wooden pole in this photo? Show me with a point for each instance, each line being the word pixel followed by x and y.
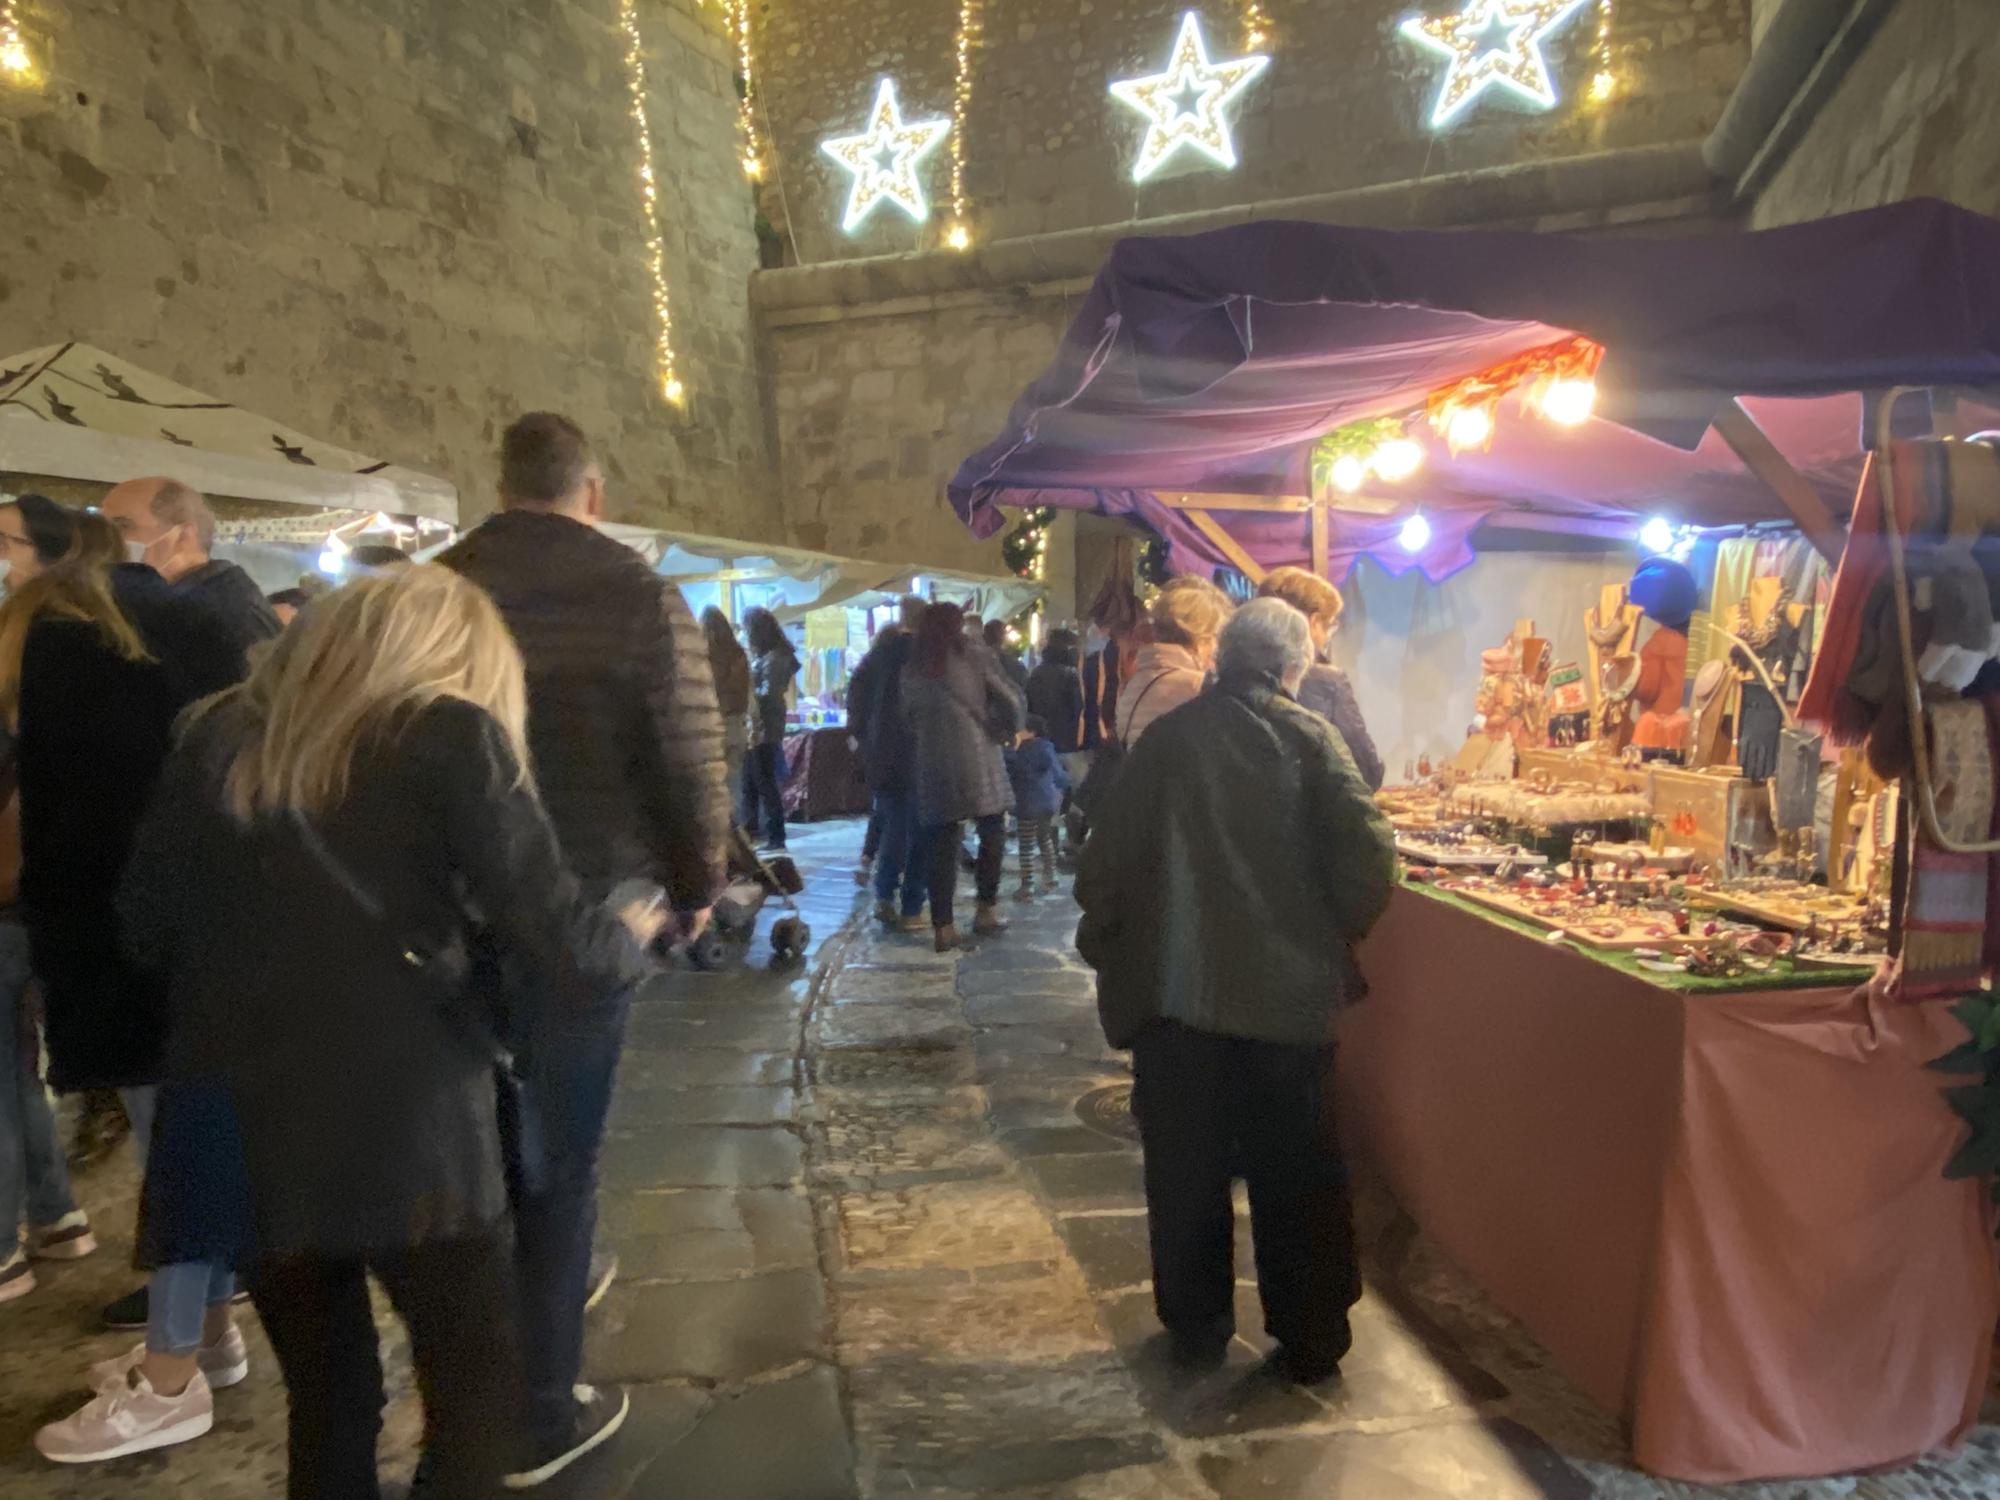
pixel 1227 545
pixel 1761 457
pixel 1319 541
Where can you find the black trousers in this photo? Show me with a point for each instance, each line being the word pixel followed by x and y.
pixel 455 1297
pixel 871 841
pixel 940 843
pixel 764 794
pixel 1211 1106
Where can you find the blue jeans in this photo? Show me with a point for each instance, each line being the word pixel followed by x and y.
pixel 34 1179
pixel 177 1297
pixel 897 862
pixel 559 1117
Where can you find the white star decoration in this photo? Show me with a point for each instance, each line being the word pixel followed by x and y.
pixel 1184 105
pixel 1492 42
pixel 884 159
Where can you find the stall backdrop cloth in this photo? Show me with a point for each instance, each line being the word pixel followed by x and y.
pixel 1211 363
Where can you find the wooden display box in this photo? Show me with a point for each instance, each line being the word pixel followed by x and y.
pixel 1732 817
pixel 1583 764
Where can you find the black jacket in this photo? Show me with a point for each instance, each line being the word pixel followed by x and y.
pixel 94 732
pixel 622 718
pixel 875 715
pixel 1055 696
pixel 361 1084
pixel 1235 863
pixel 229 593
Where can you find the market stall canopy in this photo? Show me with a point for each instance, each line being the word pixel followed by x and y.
pixel 807 581
pixel 76 412
pixel 1211 365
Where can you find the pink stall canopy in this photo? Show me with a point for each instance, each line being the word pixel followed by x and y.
pixel 1212 363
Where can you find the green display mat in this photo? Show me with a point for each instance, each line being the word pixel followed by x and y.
pixel 1783 974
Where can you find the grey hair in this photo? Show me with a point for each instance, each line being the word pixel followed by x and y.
pixel 1266 638
pixel 177 504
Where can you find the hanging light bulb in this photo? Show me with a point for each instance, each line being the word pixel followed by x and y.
pixel 1569 403
pixel 1398 459
pixel 1415 535
pixel 1348 473
pixel 1657 535
pixel 958 237
pixel 1470 427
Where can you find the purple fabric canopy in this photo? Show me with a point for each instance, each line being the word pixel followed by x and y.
pixel 1211 363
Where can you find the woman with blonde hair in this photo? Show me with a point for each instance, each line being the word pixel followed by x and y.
pixel 331 847
pixel 97 657
pixel 1183 624
pixel 1326 690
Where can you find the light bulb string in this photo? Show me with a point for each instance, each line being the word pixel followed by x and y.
pixel 965 42
pixel 649 198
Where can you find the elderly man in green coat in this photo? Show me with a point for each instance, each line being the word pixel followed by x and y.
pixel 1236 863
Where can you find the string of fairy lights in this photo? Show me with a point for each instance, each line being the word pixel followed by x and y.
pixel 1256 26
pixel 746 108
pixel 15 59
pixel 958 236
pixel 665 365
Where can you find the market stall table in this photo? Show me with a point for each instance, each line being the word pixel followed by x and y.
pixel 824 777
pixel 1722 1212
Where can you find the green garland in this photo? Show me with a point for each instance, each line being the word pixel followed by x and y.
pixel 1355 440
pixel 1978 1104
pixel 1020 549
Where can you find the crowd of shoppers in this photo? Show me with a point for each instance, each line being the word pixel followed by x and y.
pixel 497 779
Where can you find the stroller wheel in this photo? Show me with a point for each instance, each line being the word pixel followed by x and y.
pixel 790 937
pixel 709 952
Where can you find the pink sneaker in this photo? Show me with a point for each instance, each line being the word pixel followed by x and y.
pixel 128 1416
pixel 224 1363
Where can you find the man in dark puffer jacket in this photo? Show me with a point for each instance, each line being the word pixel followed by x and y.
pixel 626 739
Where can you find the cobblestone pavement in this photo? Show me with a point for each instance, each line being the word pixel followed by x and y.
pixel 881 1235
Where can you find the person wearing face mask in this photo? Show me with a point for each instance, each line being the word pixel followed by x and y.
pixel 1186 619
pixel 1325 689
pixel 168 527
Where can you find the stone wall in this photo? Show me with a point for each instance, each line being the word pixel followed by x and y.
pixel 391 223
pixel 1344 104
pixel 876 412
pixel 1917 115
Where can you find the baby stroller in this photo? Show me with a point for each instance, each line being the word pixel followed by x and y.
pixel 733 927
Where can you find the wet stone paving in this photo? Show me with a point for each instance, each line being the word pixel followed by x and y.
pixel 881 1232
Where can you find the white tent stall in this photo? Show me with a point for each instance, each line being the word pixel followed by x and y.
pixel 75 420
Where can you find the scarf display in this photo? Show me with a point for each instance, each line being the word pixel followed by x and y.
pixel 1945 926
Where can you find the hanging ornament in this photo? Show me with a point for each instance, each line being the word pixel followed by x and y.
pixel 1184 106
pixel 1492 43
pixel 884 159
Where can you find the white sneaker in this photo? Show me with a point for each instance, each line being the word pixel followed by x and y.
pixel 69 1238
pixel 128 1416
pixel 224 1363
pixel 17 1277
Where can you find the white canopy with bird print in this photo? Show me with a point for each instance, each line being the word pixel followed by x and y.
pixel 74 411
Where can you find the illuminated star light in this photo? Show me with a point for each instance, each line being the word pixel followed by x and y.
pixel 884 159
pixel 1184 105
pixel 1492 42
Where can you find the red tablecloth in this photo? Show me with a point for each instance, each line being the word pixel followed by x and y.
pixel 825 779
pixel 1722 1215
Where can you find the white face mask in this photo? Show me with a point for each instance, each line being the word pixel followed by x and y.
pixel 6 567
pixel 135 552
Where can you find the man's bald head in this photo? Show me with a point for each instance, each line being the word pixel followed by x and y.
pixel 147 511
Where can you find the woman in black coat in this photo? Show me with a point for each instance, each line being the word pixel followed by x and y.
pixel 329 846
